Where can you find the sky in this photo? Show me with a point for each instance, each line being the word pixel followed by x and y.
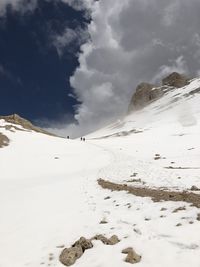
pixel 72 65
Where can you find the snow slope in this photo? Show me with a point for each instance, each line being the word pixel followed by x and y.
pixel 49 194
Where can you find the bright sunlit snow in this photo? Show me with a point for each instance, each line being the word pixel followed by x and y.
pixel 49 195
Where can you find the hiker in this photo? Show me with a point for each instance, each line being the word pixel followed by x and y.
pixel 81 138
pixel 68 137
pixel 84 139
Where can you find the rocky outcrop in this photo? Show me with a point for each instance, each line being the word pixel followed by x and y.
pixel 175 79
pixel 145 93
pixel 27 125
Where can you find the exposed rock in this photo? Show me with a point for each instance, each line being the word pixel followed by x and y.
pixel 84 243
pixel 69 255
pixel 132 256
pixel 179 209
pixel 106 198
pixel 198 217
pixel 156 195
pixel 103 221
pixel 4 141
pixel 145 93
pixel 194 188
pixel 176 80
pixel 16 119
pixel 107 241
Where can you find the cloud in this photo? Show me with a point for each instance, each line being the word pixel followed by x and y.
pixel 17 5
pixel 79 4
pixel 70 37
pixel 30 5
pixel 132 41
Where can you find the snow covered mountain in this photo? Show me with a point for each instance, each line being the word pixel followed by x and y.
pixel 51 195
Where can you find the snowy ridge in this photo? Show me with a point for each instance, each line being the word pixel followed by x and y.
pixel 49 195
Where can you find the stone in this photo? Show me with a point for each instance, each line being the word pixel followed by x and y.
pixel 114 240
pixel 175 79
pixel 103 221
pixel 107 241
pixel 194 188
pixel 132 257
pixel 198 217
pixel 69 255
pixel 84 243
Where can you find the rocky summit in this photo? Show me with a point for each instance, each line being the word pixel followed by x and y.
pixel 26 125
pixel 145 93
pixel 175 79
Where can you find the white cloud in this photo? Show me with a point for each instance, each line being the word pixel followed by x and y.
pixel 18 5
pixel 68 37
pixel 132 41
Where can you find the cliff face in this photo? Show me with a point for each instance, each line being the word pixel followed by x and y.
pixel 145 93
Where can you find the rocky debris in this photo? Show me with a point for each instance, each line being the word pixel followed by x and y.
pixel 163 209
pixel 145 93
pixel 83 243
pixel 178 224
pixel 4 141
pixel 106 198
pixel 113 240
pixel 16 119
pixel 134 181
pixel 198 217
pixel 175 79
pixel 157 156
pixel 132 257
pixel 156 195
pixel 178 209
pixel 103 221
pixel 194 188
pixel 69 255
pixel 134 174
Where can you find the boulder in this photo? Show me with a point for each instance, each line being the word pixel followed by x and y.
pixel 175 79
pixel 132 257
pixel 69 255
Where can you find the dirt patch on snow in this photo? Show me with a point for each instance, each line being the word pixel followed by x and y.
pixel 4 141
pixel 156 195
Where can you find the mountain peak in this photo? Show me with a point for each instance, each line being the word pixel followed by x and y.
pixel 175 79
pixel 27 125
pixel 147 92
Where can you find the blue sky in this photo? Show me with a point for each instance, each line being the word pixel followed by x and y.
pixel 122 44
pixel 34 77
